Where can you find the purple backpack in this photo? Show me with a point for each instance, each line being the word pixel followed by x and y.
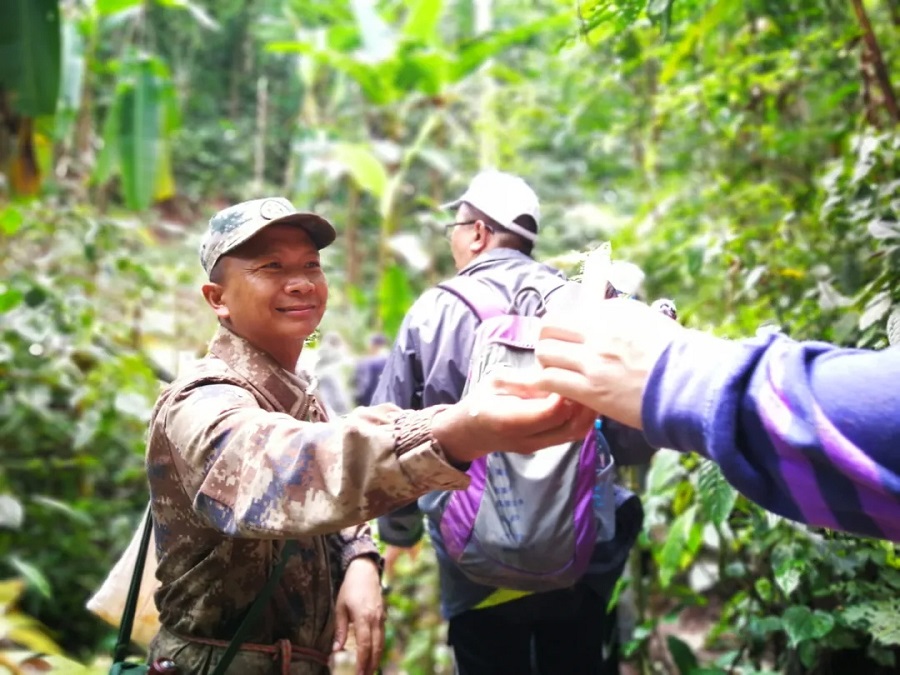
pixel 526 522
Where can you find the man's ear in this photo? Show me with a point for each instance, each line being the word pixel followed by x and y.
pixel 481 238
pixel 215 297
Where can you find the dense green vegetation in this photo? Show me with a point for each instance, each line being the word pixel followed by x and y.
pixel 745 153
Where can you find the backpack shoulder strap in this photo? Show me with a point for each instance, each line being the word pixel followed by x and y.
pixel 477 295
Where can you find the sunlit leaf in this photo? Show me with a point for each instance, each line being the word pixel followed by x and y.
pixel 875 310
pixel 716 495
pixel 472 55
pixel 105 7
pixel 10 220
pixel 665 469
pixel 107 164
pixel 893 326
pixel 677 539
pixel 377 36
pixel 29 633
pixel 32 575
pixel 11 513
pixel 363 166
pixel 880 617
pixel 72 66
pixel 199 14
pixel 422 20
pixel 883 229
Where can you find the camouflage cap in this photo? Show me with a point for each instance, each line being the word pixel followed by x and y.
pixel 231 227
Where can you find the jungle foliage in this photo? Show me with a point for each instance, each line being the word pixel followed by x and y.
pixel 744 153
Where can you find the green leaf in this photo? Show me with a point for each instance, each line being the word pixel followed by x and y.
pixel 716 495
pixel 30 55
pixel 422 21
pixel 670 562
pixel 106 7
pixel 788 575
pixel 72 67
pixel 394 297
pixel 881 618
pixel 139 125
pixel 471 55
pixel 883 229
pixel 658 7
pixel 32 575
pixel 10 298
pixel 10 220
pixel 108 163
pixel 377 36
pixel 63 509
pixel 801 623
pixel 893 326
pixel 682 654
pixel 363 166
pixel 196 11
pixel 665 469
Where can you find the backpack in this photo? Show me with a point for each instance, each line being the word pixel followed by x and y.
pixel 526 522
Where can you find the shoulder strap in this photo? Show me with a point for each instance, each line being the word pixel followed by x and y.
pixel 482 298
pixel 120 651
pixel 255 609
pixel 476 295
pixel 124 638
pixel 479 296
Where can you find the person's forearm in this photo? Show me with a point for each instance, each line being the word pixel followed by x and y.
pixel 780 419
pixel 271 475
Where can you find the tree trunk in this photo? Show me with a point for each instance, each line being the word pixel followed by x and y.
pixel 873 63
pixel 259 145
pixel 350 232
pixel 487 121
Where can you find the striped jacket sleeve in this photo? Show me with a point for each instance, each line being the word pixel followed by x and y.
pixel 807 430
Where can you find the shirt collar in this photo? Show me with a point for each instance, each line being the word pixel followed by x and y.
pixel 494 255
pixel 283 389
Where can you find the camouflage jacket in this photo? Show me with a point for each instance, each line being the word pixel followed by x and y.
pixel 240 457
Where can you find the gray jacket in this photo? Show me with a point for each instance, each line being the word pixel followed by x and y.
pixel 428 365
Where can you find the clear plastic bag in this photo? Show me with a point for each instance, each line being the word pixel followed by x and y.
pixel 109 601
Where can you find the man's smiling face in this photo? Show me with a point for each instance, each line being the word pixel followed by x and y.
pixel 271 290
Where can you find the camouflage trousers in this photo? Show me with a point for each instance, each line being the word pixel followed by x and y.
pixel 199 658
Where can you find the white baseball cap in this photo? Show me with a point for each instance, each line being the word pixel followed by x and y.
pixel 503 197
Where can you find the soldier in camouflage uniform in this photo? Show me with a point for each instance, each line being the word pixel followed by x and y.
pixel 241 457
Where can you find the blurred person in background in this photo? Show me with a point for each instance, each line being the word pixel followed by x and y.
pixel 368 369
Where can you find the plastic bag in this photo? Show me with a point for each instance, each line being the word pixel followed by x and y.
pixel 109 601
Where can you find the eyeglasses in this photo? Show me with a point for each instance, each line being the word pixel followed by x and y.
pixel 448 228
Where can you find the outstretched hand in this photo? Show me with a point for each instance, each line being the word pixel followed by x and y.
pixel 493 419
pixel 601 357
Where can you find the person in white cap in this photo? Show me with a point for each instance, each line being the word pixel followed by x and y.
pixel 495 630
